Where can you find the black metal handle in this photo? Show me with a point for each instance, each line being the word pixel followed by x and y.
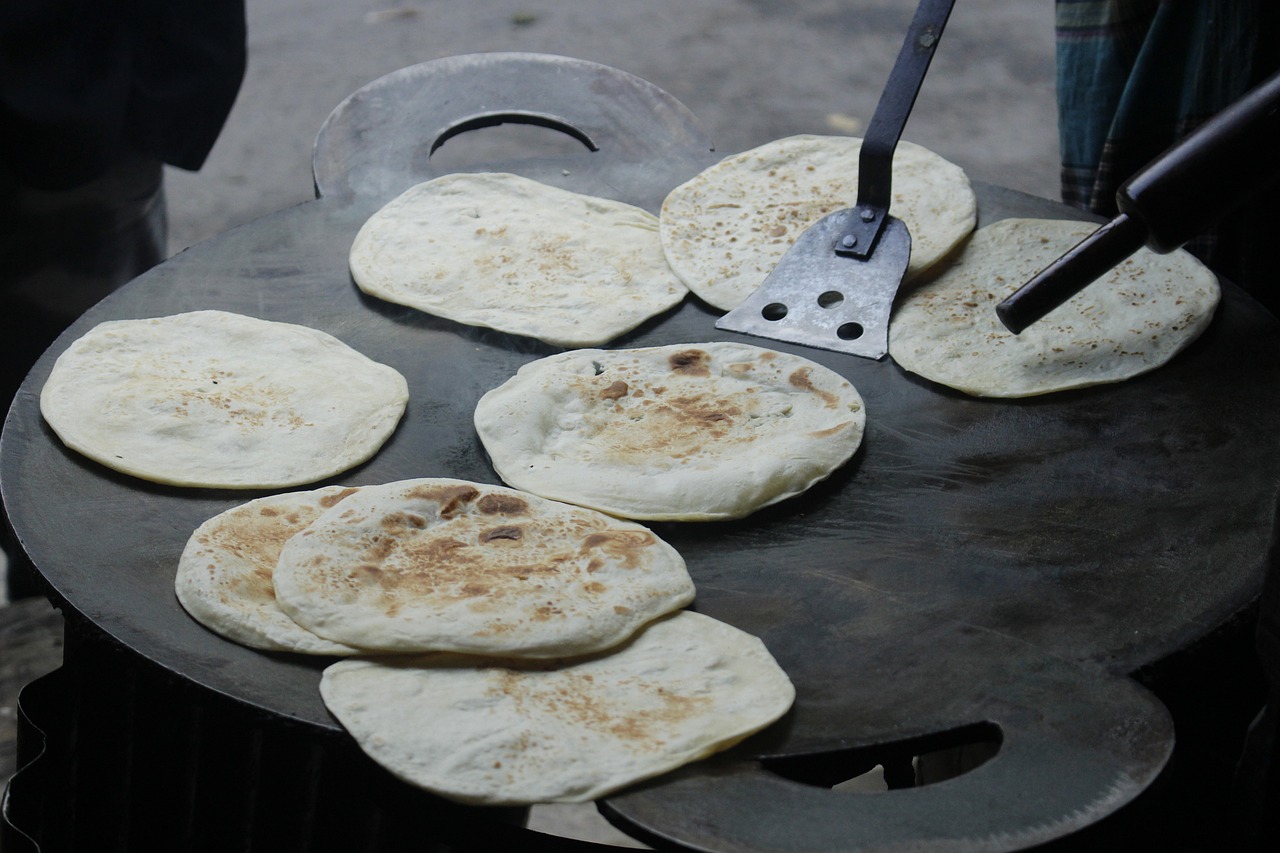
pixel 875 160
pixel 1228 160
pixel 1085 263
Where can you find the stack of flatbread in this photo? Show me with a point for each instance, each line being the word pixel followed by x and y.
pixel 502 648
pixel 1131 321
pixel 695 432
pixel 427 565
pixel 220 400
pixel 726 228
pixel 505 252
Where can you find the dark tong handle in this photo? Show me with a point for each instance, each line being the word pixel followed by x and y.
pixel 875 160
pixel 1184 191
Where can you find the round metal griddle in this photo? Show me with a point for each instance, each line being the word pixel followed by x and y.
pixel 1004 565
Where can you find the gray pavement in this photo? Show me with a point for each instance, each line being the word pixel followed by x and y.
pixel 750 70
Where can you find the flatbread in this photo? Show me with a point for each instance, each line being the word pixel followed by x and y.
pixel 504 252
pixel 693 432
pixel 220 400
pixel 495 734
pixel 224 573
pixel 1129 322
pixel 726 228
pixel 450 565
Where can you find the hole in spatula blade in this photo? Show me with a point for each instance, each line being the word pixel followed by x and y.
pixel 850 331
pixel 830 299
pixel 774 311
pixel 903 764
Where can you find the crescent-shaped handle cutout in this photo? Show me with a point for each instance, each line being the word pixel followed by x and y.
pixel 495 119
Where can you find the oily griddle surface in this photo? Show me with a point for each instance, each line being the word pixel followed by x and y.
pixel 978 561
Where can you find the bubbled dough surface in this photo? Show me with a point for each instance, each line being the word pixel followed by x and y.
pixel 221 400
pixel 686 432
pixel 504 252
pixel 449 565
pixel 490 733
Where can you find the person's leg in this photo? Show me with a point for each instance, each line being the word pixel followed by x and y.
pixel 61 252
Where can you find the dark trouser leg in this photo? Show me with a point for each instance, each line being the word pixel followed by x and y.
pixel 60 253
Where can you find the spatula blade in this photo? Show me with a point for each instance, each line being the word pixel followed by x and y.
pixel 820 298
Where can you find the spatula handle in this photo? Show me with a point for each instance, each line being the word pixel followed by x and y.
pixel 875 160
pixel 875 174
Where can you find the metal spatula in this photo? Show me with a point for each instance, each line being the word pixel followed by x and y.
pixel 834 288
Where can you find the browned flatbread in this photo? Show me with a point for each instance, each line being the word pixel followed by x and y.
pixel 496 732
pixel 225 573
pixel 687 432
pixel 450 565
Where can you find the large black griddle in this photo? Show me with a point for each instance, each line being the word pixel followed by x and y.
pixel 989 569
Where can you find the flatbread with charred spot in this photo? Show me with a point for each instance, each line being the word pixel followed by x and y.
pixel 1131 321
pixel 214 399
pixel 725 229
pixel 449 565
pixel 504 733
pixel 504 252
pixel 691 432
pixel 224 577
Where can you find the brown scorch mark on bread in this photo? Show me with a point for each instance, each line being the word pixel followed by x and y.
pixel 451 498
pixel 702 413
pixel 329 501
pixel 691 362
pixel 625 546
pixel 500 504
pixel 508 532
pixel 399 522
pixel 616 391
pixel 799 378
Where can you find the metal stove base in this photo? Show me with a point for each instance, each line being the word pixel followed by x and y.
pixel 114 756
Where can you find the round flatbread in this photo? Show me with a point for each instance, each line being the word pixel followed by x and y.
pixel 449 565
pixel 224 573
pixel 1129 322
pixel 504 252
pixel 725 229
pixel 694 432
pixel 493 734
pixel 220 400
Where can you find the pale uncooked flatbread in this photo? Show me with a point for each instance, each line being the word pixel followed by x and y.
pixel 449 565
pixel 508 253
pixel 726 228
pixel 224 573
pixel 220 400
pixel 494 734
pixel 693 432
pixel 1131 321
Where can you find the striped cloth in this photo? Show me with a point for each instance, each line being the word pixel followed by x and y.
pixel 1134 76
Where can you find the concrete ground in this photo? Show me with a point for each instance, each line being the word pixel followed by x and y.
pixel 751 70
